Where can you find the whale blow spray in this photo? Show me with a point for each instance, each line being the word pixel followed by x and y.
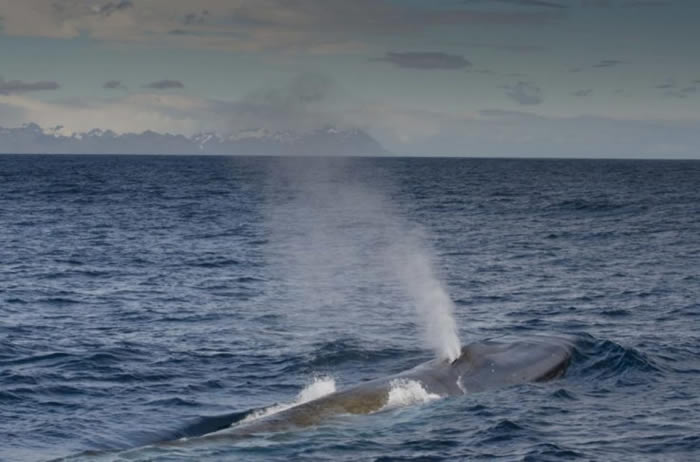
pixel 433 304
pixel 336 237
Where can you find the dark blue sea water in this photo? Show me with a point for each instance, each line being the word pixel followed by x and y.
pixel 147 298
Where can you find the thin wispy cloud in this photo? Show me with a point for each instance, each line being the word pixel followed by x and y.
pixel 503 114
pixel 111 7
pixel 525 93
pixel 304 89
pixel 164 84
pixel 113 85
pixel 537 3
pixel 681 93
pixel 511 47
pixel 645 3
pixel 665 85
pixel 607 63
pixel 425 60
pixel 293 106
pixel 403 71
pixel 482 71
pixel 541 3
pixel 319 26
pixel 8 87
pixel 602 64
pixel 672 89
pixel 196 18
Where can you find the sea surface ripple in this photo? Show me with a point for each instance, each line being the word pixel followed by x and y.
pixel 148 298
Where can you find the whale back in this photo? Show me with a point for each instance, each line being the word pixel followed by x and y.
pixel 482 366
pixel 498 363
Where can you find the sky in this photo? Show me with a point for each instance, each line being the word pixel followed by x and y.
pixel 563 78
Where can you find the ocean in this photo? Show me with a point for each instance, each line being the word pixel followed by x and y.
pixel 146 298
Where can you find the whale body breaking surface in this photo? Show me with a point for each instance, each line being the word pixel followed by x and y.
pixel 482 366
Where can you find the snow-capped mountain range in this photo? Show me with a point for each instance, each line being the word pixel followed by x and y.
pixel 31 138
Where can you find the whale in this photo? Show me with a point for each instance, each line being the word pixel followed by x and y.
pixel 481 366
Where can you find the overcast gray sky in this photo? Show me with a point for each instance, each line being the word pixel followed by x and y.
pixel 600 78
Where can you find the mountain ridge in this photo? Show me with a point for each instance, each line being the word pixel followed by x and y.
pixel 32 139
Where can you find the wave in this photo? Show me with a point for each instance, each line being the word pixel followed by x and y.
pixel 213 262
pixel 342 351
pixel 588 205
pixel 604 359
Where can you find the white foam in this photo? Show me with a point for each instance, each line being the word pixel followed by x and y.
pixel 319 387
pixel 405 392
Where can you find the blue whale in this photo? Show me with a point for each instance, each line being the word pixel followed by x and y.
pixel 482 366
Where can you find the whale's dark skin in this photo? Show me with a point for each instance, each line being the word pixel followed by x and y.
pixel 481 366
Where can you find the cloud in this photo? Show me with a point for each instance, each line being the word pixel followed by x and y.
pixel 597 3
pixel 644 3
pixel 512 47
pixel 164 84
pixel 503 114
pixel 403 130
pixel 32 138
pixel 498 133
pixel 316 26
pixel 665 86
pixel 304 89
pixel 111 7
pixel 539 3
pixel 582 93
pixel 296 106
pixel 425 60
pixel 8 87
pixel 113 85
pixel 607 63
pixel 524 93
pixel 603 63
pixel 681 93
pixel 165 113
pixel 673 90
